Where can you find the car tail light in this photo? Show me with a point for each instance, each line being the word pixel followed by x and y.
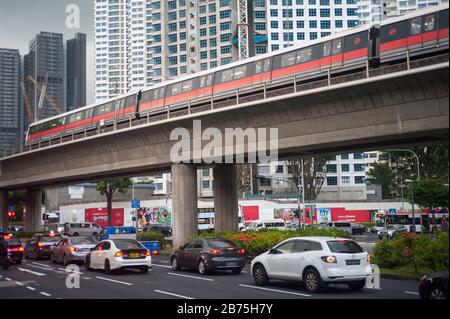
pixel 329 259
pixel 155 252
pixel 21 248
pixel 147 253
pixel 73 249
pixel 7 237
pixel 119 254
pixel 216 252
pixel 41 245
pixel 241 251
pixel 368 259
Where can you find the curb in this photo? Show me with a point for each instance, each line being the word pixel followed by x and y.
pixel 397 277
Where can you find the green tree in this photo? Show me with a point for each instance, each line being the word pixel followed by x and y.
pixel 430 193
pixel 111 188
pixel 383 175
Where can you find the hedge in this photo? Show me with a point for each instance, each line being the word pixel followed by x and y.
pixel 257 242
pixel 23 234
pixel 151 236
pixel 409 249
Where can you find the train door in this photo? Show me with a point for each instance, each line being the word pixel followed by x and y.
pixel 120 108
pixel 415 33
pixel 337 50
pixel 443 27
pixel 189 91
pixel 202 86
pixel 325 61
pixel 430 30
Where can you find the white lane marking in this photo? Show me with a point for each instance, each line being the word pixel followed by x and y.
pixel 244 272
pixel 411 293
pixel 31 288
pixel 39 264
pixel 45 294
pixel 87 278
pixel 31 272
pixel 276 290
pixel 69 271
pixel 116 281
pixel 40 267
pixel 19 283
pixel 163 261
pixel 164 266
pixel 192 277
pixel 9 279
pixel 171 294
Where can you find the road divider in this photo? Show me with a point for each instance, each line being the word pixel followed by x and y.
pixel 275 290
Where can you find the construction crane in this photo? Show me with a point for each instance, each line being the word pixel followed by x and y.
pixel 41 89
pixel 30 114
pixel 44 90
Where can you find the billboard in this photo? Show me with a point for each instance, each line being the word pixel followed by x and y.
pixel 100 216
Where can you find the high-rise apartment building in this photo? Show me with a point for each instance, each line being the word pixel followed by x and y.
pixel 370 11
pixel 292 21
pixel 9 99
pixel 123 34
pixel 45 59
pixel 393 8
pixel 76 72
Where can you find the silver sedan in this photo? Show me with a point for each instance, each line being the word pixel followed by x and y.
pixel 72 250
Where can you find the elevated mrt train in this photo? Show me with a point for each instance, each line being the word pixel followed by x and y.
pixel 421 33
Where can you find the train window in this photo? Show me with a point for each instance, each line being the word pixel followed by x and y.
pixel 209 80
pixel 147 96
pixel 288 59
pixel 227 75
pixel 416 26
pixel 89 113
pixel 76 117
pixel 304 55
pixel 239 72
pixel 429 23
pixel 131 100
pixel 266 65
pixel 202 81
pixel 259 67
pixel 120 104
pixel 162 92
pixel 326 49
pixel 187 85
pixel 176 88
pixel 337 46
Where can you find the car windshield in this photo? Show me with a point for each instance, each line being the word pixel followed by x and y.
pixel 127 244
pixel 252 224
pixel 342 224
pixel 221 244
pixel 82 241
pixel 13 242
pixel 344 247
pixel 50 239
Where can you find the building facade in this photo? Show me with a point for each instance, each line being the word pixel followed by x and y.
pixel 76 72
pixel 123 33
pixel 45 58
pixel 9 99
pixel 393 8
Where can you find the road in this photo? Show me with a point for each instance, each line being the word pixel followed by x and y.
pixel 44 280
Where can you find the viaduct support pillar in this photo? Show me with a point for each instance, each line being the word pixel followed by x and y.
pixel 185 207
pixel 3 209
pixel 225 198
pixel 33 206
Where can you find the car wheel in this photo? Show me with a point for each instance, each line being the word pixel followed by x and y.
pixel 202 267
pixel 260 275
pixel 357 285
pixel 19 262
pixel 87 264
pixel 108 270
pixel 95 234
pixel 312 280
pixel 75 235
pixel 65 261
pixel 175 265
pixel 237 271
pixel 144 270
pixel 436 292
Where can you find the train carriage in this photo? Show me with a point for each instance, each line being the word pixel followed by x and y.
pixel 426 29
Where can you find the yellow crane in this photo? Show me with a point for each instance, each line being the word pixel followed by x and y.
pixel 41 89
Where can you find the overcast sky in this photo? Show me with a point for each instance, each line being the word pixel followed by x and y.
pixel 21 20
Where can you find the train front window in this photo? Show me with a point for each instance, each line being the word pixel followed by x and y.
pixel 304 55
pixel 326 49
pixel 288 59
pixel 430 23
pixel 337 46
pixel 416 26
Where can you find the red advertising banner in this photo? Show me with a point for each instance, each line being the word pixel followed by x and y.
pixel 355 216
pixel 250 213
pixel 100 216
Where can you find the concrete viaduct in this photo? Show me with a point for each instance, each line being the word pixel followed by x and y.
pixel 403 107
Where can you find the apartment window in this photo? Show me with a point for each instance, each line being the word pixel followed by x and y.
pixel 288 25
pixel 203 32
pixel 264 169
pixel 312 2
pixel 313 24
pixel 332 181
pixel 345 167
pixel 287 13
pixel 345 180
pixel 260 49
pixel 324 2
pixel 212 31
pixel 260 26
pixel 203 55
pixel 202 9
pixel 265 182
pixel 206 184
pixel 324 12
pixel 225 37
pixel 172 5
pixel 279 169
pixel 359 167
pixel 275 47
pixel 344 156
pixel 213 54
pixel 206 172
pixel 312 12
pixel 338 24
pixel 359 180
pixel 202 20
pixel 273 12
pixel 313 35
pixel 300 24
pixel 358 155
pixel 225 26
pixel 300 12
pixel 261 14
pixel 274 36
pixel 331 168
pixel 325 24
pixel 352 23
pixel 260 3
pixel 172 38
pixel 301 36
pixel 225 49
pixel 274 24
pixel 338 12
pixel 288 36
pixel 173 72
pixel 212 7
pixel 351 12
pixel 212 19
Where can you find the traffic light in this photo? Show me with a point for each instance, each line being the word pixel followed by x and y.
pixel 11 214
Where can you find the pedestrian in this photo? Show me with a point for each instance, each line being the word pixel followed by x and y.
pixel 444 224
pixel 3 248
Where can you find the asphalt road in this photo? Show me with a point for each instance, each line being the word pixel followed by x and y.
pixel 44 280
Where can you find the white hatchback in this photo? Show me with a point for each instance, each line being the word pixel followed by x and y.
pixel 113 254
pixel 315 261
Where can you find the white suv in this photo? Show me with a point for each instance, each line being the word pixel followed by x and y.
pixel 316 261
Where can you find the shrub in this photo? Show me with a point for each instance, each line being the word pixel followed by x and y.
pixel 151 236
pixel 25 235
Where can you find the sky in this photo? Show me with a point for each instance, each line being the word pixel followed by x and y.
pixel 21 20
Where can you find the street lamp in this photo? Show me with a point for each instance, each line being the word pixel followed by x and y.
pixel 300 192
pixel 411 152
pixel 412 201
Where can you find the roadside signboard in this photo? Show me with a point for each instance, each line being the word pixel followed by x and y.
pixel 136 203
pixel 392 212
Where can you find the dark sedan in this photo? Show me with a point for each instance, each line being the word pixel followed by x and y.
pixel 14 248
pixel 434 286
pixel 358 229
pixel 209 254
pixel 40 246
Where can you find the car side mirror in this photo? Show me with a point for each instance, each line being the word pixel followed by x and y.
pixel 92 249
pixel 273 251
